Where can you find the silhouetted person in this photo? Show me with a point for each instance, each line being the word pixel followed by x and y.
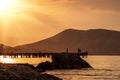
pixel 79 50
pixel 66 50
pixel 86 54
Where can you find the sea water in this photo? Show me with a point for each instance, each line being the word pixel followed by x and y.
pixel 104 68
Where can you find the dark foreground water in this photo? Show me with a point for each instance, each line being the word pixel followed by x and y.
pixel 105 68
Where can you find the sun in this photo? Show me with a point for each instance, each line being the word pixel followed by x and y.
pixel 8 7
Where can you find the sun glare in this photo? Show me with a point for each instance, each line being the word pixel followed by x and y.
pixel 16 14
pixel 7 7
pixel 6 60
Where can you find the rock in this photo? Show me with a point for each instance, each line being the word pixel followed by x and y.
pixel 64 61
pixel 29 65
pixel 6 75
pixel 46 66
pixel 39 70
pixel 69 61
pixel 22 72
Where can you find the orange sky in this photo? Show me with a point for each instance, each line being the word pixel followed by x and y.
pixel 39 19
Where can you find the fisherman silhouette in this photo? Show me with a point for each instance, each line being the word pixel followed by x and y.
pixel 86 54
pixel 66 50
pixel 79 50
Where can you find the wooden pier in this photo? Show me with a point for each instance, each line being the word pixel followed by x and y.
pixel 38 55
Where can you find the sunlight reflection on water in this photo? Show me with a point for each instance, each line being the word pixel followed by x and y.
pixel 33 61
pixel 6 59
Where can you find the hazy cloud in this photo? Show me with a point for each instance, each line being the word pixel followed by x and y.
pixel 99 4
pixel 92 4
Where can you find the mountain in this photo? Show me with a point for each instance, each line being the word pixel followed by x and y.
pixel 5 49
pixel 8 49
pixel 95 41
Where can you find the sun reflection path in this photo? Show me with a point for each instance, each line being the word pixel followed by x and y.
pixel 6 60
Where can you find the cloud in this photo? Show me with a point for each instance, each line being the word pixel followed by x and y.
pixel 113 5
pixel 99 4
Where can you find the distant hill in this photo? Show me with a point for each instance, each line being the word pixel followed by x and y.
pixel 5 49
pixel 95 41
pixel 8 49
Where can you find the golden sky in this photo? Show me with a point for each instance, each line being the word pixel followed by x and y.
pixel 28 21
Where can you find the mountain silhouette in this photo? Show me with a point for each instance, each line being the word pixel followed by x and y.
pixel 5 49
pixel 95 41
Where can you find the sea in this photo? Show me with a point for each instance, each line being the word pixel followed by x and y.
pixel 104 68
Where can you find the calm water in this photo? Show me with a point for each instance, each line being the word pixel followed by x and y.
pixel 105 68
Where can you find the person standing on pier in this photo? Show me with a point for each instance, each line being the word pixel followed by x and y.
pixel 66 50
pixel 79 50
pixel 86 54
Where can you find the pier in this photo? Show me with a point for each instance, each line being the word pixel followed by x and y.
pixel 38 55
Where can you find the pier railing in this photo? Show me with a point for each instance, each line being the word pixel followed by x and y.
pixel 38 55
